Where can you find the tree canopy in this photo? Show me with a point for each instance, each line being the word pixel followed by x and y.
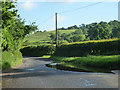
pixel 14 29
pixel 93 31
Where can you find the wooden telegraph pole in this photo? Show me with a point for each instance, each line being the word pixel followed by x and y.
pixel 56 30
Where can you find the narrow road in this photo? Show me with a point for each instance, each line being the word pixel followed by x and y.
pixel 34 74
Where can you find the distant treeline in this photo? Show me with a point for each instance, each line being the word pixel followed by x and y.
pixel 69 28
pixel 93 31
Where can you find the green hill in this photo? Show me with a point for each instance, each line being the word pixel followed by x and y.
pixel 63 31
pixel 93 31
pixel 44 36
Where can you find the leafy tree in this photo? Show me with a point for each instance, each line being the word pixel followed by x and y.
pixel 62 28
pixel 107 30
pixel 77 38
pixel 28 29
pixel 93 31
pixel 63 36
pixel 44 31
pixel 115 28
pixel 13 28
pixel 83 28
pixel 79 32
pixel 99 31
pixel 72 27
pixel 52 36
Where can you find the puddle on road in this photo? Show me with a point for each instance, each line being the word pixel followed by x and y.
pixel 30 69
pixel 54 63
pixel 94 70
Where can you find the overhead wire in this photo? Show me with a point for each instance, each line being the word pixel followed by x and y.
pixel 67 11
pixel 46 20
pixel 81 7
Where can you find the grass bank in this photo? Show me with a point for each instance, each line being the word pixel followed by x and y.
pixel 102 62
pixel 10 59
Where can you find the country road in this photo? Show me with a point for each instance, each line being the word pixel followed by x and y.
pixel 34 74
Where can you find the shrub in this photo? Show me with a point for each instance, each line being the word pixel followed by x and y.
pixel 10 59
pixel 63 41
pixel 89 48
pixel 38 50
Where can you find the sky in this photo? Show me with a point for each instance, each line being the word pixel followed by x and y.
pixel 70 12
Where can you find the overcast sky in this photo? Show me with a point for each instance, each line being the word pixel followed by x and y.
pixel 43 13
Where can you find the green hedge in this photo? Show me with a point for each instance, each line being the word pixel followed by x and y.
pixel 38 50
pixel 10 59
pixel 89 48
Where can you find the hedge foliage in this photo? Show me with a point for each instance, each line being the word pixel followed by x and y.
pixel 105 47
pixel 38 50
pixel 10 59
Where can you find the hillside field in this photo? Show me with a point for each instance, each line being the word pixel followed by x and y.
pixel 44 36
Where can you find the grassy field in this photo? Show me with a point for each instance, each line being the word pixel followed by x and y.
pixel 101 62
pixel 44 36
pixel 63 31
pixel 39 36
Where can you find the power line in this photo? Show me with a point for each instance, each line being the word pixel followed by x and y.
pixel 81 7
pixel 46 20
pixel 43 22
pixel 71 11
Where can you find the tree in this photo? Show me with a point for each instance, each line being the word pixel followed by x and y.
pixel 72 27
pixel 52 36
pixel 98 31
pixel 28 29
pixel 107 33
pixel 61 28
pixel 115 28
pixel 77 38
pixel 13 28
pixel 63 36
pixel 79 32
pixel 8 14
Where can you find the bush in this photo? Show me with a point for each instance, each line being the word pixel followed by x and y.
pixel 89 48
pixel 38 50
pixel 63 41
pixel 10 59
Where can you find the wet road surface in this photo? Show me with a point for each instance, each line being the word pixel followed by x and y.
pixel 34 74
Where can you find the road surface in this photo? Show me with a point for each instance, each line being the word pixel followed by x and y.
pixel 34 74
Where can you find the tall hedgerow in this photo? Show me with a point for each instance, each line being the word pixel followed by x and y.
pixel 89 48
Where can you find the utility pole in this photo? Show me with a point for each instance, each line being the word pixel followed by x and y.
pixel 119 14
pixel 56 30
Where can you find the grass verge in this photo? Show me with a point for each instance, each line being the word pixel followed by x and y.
pixel 10 59
pixel 46 56
pixel 102 62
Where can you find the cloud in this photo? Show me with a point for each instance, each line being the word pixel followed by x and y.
pixel 29 5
